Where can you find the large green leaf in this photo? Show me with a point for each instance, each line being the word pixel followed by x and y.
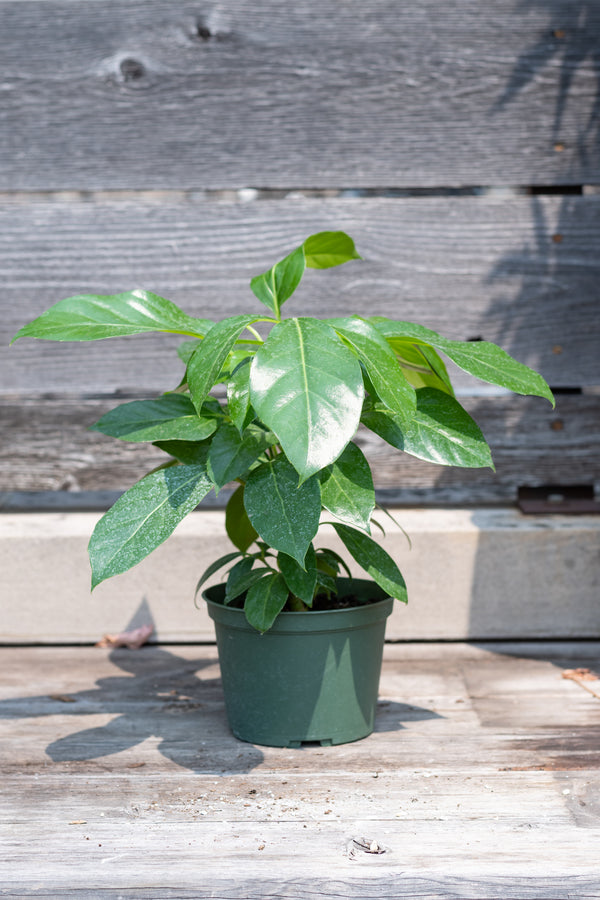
pixel 347 488
pixel 237 524
pixel 285 515
pixel 306 386
pixel 301 582
pixel 231 455
pixel 374 560
pixel 264 601
pixel 440 431
pixel 207 360
pixel 170 417
pixel 329 248
pixel 482 359
pixel 89 317
pixel 278 284
pixel 143 517
pixel 238 395
pixel 386 376
pixel 191 453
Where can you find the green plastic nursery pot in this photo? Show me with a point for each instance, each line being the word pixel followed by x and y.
pixel 313 676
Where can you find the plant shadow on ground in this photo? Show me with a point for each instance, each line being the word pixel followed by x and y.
pixel 163 696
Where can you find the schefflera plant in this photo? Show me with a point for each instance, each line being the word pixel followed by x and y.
pixel 284 433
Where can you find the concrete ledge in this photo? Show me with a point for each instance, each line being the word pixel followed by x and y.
pixel 471 574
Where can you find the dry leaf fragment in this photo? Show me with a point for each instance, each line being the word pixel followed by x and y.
pixel 63 698
pixel 580 674
pixel 132 639
pixel 78 822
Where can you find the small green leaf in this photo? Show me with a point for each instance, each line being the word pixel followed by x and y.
pixel 207 360
pixel 330 561
pixel 422 366
pixel 243 582
pixel 143 517
pixel 306 386
pixel 90 317
pixel 379 360
pixel 170 417
pixel 232 454
pixel 482 359
pixel 329 248
pixel 374 560
pixel 301 582
pixel 237 524
pixel 214 567
pixel 279 283
pixel 264 601
pixel 238 395
pixel 440 431
pixel 347 488
pixel 285 515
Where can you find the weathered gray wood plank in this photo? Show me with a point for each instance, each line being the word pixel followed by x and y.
pixel 468 267
pixel 480 780
pixel 47 447
pixel 161 94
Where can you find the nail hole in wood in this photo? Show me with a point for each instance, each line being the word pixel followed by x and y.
pixel 132 69
pixel 203 32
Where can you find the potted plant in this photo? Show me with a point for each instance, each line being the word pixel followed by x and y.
pixel 300 642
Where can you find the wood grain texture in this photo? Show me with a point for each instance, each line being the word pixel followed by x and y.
pixel 467 267
pixel 47 447
pixel 479 781
pixel 160 94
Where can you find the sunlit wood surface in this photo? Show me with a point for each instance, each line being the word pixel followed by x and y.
pixel 119 778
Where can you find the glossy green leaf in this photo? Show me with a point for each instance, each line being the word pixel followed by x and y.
pixel 232 454
pixel 143 517
pixel 264 601
pixel 170 417
pixel 279 283
pixel 306 386
pixel 301 582
pixel 371 557
pixel 237 524
pixel 90 317
pixel 347 488
pixel 242 577
pixel 285 515
pixel 329 248
pixel 238 395
pixel 330 561
pixel 440 431
pixel 380 361
pixel 482 359
pixel 207 360
pixel 191 453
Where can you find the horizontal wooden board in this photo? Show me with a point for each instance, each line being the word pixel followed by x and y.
pixel 116 94
pixel 120 765
pixel 47 447
pixel 523 272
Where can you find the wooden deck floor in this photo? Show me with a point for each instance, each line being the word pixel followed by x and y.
pixel 120 780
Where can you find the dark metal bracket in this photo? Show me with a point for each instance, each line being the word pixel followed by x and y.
pixel 569 500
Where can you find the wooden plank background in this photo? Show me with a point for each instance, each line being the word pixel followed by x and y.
pixel 365 93
pixel 126 128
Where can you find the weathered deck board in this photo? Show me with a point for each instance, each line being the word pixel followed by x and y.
pixel 466 267
pixel 368 94
pixel 480 781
